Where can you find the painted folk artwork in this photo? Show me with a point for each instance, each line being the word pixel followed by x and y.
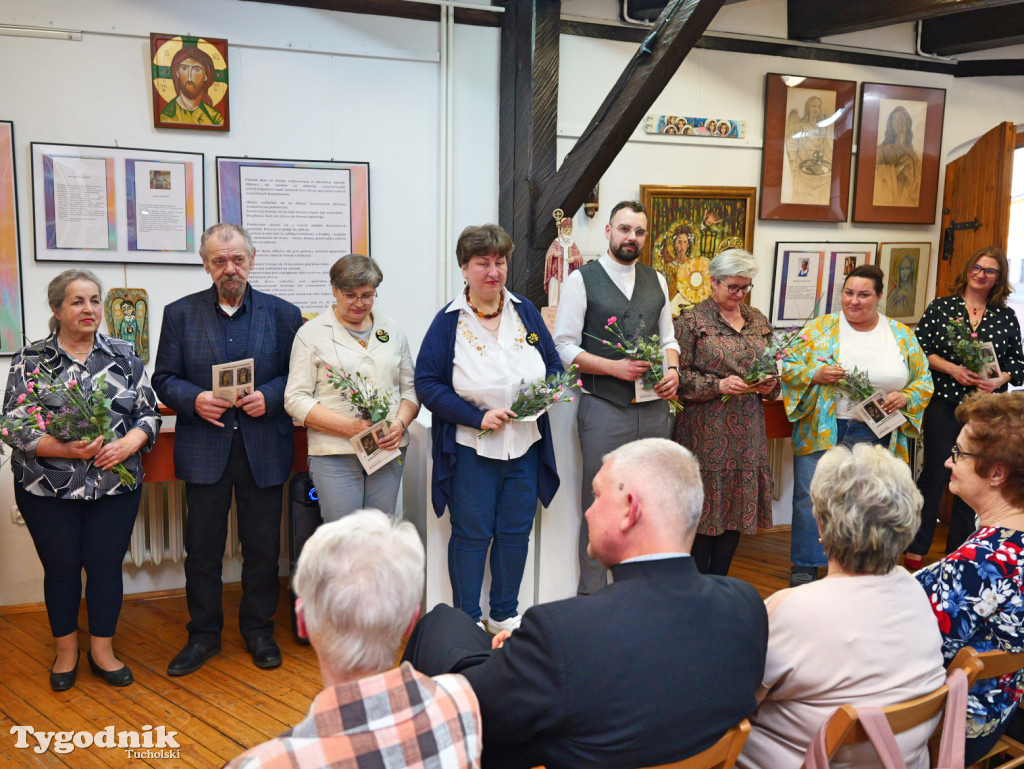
pixel 127 314
pixel 688 227
pixel 190 82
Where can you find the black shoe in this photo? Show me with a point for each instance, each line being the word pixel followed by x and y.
pixel 264 651
pixel 120 677
pixel 60 682
pixel 802 575
pixel 191 658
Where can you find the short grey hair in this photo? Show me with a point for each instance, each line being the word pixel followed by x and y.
pixel 360 579
pixel 224 231
pixel 668 477
pixel 733 261
pixel 58 289
pixel 355 271
pixel 867 507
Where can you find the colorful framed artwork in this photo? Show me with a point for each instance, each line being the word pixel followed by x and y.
pixel 808 137
pixel 190 82
pixel 319 211
pixel 808 278
pixel 898 153
pixel 127 314
pixel 687 227
pixel 709 127
pixel 905 266
pixel 12 307
pixel 114 204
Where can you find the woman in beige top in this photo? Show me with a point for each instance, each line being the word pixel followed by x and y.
pixel 863 635
pixel 351 338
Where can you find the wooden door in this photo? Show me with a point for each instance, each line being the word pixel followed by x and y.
pixel 977 186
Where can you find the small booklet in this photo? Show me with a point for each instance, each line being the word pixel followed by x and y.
pixel 989 362
pixel 871 411
pixel 233 381
pixel 371 456
pixel 755 385
pixel 642 395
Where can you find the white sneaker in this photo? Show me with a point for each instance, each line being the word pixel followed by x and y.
pixel 496 626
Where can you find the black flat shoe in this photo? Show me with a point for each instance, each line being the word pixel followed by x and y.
pixel 120 677
pixel 264 651
pixel 191 658
pixel 61 682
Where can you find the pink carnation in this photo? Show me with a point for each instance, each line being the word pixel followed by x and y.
pixel 570 400
pixel 35 370
pixel 21 398
pixel 4 432
pixel 974 336
pixel 612 319
pixel 579 383
pixel 326 367
pixel 72 384
pixel 618 344
pixel 31 387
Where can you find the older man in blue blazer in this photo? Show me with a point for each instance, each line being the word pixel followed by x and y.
pixel 220 447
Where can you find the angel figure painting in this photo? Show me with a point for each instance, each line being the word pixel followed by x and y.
pixel 807 174
pixel 127 314
pixel 898 162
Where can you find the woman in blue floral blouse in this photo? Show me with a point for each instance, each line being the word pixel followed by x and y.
pixel 977 591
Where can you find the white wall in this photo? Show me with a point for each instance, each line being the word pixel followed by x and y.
pixel 368 88
pixel 304 84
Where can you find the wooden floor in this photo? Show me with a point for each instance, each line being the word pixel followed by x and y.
pixel 226 707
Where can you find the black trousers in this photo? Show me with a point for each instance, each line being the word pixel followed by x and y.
pixel 940 429
pixel 446 640
pixel 72 534
pixel 206 531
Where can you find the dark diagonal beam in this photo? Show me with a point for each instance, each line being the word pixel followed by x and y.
pixel 812 19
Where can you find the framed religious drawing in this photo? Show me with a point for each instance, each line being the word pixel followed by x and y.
pixel 905 266
pixel 12 309
pixel 808 278
pixel 898 153
pixel 808 137
pixel 190 82
pixel 687 227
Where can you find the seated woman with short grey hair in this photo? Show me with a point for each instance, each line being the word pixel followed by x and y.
pixel 862 635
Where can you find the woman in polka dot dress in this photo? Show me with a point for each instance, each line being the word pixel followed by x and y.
pixel 979 296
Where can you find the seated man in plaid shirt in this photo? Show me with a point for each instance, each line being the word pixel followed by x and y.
pixel 359 582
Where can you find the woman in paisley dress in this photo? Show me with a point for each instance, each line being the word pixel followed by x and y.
pixel 719 341
pixel 77 511
pixel 977 591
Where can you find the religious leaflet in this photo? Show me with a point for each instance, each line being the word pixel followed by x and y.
pixel 371 456
pixel 989 363
pixel 871 411
pixel 233 381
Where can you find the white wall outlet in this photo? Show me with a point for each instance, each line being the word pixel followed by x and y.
pixel 16 515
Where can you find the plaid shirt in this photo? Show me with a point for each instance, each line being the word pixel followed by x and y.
pixel 399 718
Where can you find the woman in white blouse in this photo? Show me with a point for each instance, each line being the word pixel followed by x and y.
pixel 351 338
pixel 478 352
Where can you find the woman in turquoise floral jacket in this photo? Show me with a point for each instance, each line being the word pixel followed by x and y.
pixel 822 414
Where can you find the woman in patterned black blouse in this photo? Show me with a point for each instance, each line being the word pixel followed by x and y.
pixel 979 295
pixel 77 511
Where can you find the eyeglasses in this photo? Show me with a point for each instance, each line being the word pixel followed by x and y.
pixel 353 298
pixel 740 290
pixel 990 272
pixel 625 229
pixel 956 452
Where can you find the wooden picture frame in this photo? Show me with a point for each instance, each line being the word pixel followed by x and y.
pixel 199 104
pixel 701 222
pixel 807 278
pixel 905 266
pixel 12 304
pixel 898 153
pixel 808 138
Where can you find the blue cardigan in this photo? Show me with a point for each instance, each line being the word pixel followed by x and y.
pixel 434 367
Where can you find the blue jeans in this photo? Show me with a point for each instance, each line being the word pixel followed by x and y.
pixel 805 544
pixel 344 487
pixel 493 505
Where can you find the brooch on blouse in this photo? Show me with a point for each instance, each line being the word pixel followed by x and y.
pixel 382 335
pixel 532 339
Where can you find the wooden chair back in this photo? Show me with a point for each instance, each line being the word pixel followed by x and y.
pixel 721 755
pixel 997 664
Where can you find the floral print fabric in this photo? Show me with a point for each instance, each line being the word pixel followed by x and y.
pixel 976 594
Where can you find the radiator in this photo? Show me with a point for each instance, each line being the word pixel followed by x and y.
pixel 160 526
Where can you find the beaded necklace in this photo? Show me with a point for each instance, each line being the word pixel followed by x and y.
pixel 495 314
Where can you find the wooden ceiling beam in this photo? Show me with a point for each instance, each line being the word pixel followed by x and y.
pixel 813 19
pixel 973 30
pixel 658 58
pixel 401 9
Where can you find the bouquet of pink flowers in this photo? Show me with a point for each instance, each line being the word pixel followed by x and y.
pixel 643 348
pixel 536 398
pixel 69 411
pixel 368 400
pixel 964 341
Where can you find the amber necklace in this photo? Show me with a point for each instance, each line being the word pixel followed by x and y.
pixel 495 314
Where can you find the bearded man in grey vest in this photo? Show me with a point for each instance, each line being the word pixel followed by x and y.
pixel 610 413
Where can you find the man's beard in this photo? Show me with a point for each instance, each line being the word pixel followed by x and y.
pixel 231 288
pixel 623 255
